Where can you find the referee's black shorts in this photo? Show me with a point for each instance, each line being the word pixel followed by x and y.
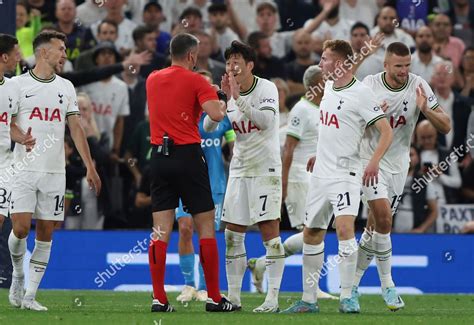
pixel 183 174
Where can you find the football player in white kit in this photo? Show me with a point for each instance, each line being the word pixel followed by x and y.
pixel 253 194
pixel 347 108
pixel 46 102
pixel 9 98
pixel 300 145
pixel 405 95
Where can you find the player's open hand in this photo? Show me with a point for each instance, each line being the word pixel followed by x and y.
pixel 93 180
pixel 225 86
pixel 421 98
pixel 234 86
pixel 310 164
pixel 28 140
pixel 371 174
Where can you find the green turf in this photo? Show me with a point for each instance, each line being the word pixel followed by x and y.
pixel 105 307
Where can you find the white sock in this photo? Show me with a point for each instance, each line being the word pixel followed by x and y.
pixel 275 263
pixel 383 257
pixel 313 259
pixel 17 248
pixel 347 268
pixel 364 256
pixel 236 263
pixel 38 263
pixel 293 244
pixel 260 263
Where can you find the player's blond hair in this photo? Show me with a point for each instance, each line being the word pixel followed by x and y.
pixel 340 47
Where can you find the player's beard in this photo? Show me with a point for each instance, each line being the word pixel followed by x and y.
pixel 400 80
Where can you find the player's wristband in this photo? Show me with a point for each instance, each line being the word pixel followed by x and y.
pixel 222 96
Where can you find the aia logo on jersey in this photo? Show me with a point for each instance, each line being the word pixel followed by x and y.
pixel 243 127
pixel 328 119
pixel 48 114
pixel 102 109
pixel 397 121
pixel 4 118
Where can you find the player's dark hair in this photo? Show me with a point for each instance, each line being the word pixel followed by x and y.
pixel 360 25
pixel 140 32
pixel 340 47
pixel 236 47
pixel 108 22
pixel 216 8
pixel 398 48
pixel 7 43
pixel 182 44
pixel 46 37
pixel 254 39
pixel 190 11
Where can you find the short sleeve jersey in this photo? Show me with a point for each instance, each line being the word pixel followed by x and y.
pixel 175 97
pixel 345 112
pixel 402 114
pixel 9 99
pixel 44 106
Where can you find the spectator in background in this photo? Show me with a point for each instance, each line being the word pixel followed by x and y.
pixel 462 15
pixel 91 11
pixel 219 26
pixel 109 100
pixel 114 9
pixel 247 15
pixel 67 24
pixel 283 93
pixel 363 11
pixel 387 23
pixel 267 66
pixel 46 7
pixel 328 24
pixel 466 79
pixel 418 210
pixel 144 38
pixel 190 21
pixel 28 25
pixel 423 61
pixel 152 17
pixel 373 62
pixel 267 18
pixel 468 172
pixel 204 62
pixel 456 106
pixel 107 30
pixel 445 45
pixel 445 178
pixel 302 47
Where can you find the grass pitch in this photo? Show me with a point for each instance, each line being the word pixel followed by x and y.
pixel 105 307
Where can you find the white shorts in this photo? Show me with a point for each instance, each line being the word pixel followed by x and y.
pixel 330 196
pixel 5 195
pixel 390 187
pixel 39 193
pixel 249 200
pixel 296 202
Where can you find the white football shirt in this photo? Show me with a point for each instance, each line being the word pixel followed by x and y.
pixel 402 114
pixel 344 114
pixel 303 125
pixel 44 106
pixel 109 101
pixel 9 98
pixel 256 152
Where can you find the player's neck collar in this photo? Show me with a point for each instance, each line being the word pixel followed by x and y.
pixel 310 102
pixel 385 83
pixel 254 84
pixel 32 74
pixel 346 86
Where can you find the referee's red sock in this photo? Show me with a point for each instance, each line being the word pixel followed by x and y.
pixel 157 261
pixel 210 264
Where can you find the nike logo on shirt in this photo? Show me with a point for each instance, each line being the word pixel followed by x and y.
pixel 28 96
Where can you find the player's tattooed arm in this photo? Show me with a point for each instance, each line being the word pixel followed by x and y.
pixel 437 116
pixel 19 136
pixel 79 137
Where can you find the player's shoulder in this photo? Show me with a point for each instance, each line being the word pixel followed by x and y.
pixel 66 83
pixel 302 106
pixel 372 79
pixel 263 83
